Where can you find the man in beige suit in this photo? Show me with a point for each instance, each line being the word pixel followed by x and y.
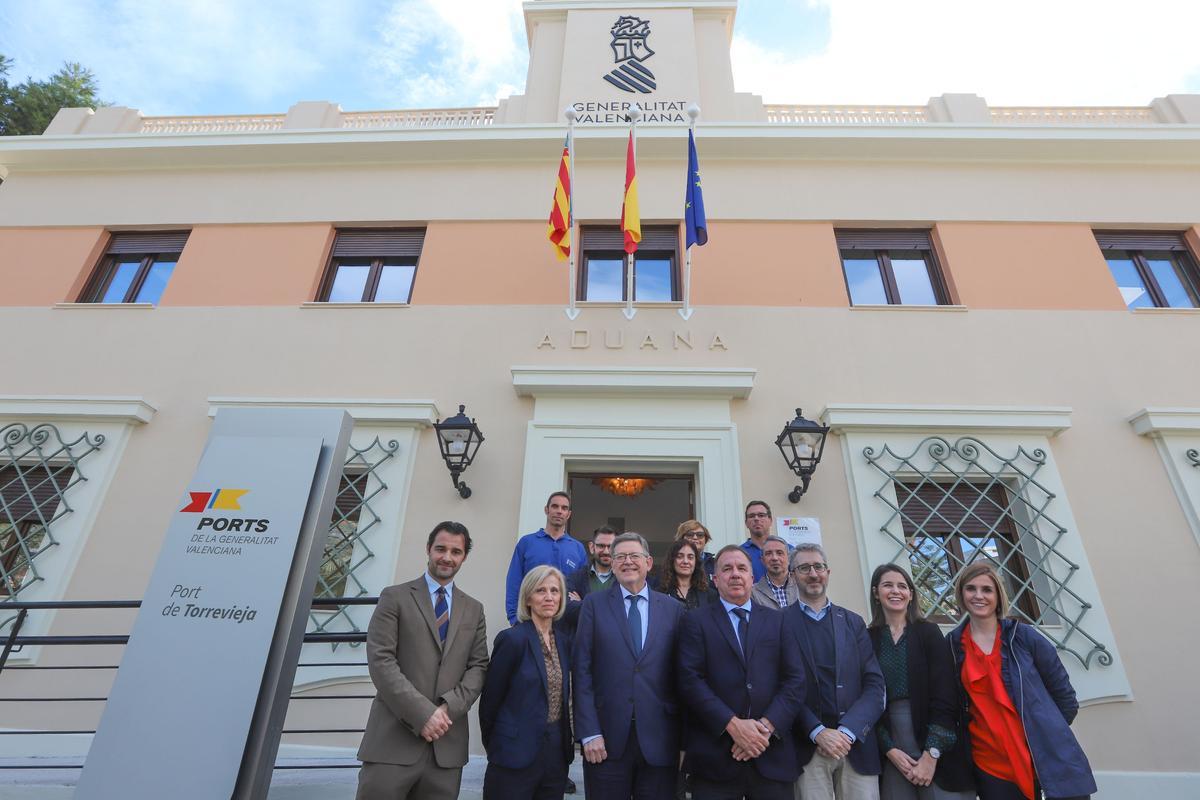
pixel 427 654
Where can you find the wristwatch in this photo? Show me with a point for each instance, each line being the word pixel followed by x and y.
pixel 933 751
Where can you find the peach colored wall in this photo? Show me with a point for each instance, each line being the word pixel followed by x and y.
pixel 768 264
pixel 1050 266
pixel 488 263
pixel 249 265
pixel 43 266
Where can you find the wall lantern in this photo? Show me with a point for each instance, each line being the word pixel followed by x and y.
pixel 459 438
pixel 801 443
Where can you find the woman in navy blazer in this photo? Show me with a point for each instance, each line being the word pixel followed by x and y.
pixel 523 709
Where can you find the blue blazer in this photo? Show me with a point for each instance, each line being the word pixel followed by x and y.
pixel 610 683
pixel 859 687
pixel 514 704
pixel 720 684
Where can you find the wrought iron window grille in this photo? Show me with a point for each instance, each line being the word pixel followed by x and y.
pixel 1193 456
pixel 38 469
pixel 927 487
pixel 347 548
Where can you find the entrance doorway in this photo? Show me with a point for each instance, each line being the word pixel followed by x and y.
pixel 651 504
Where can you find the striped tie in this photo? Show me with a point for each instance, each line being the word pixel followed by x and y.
pixel 442 612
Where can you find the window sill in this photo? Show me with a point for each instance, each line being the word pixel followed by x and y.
pixel 354 305
pixel 127 306
pixel 1168 311
pixel 901 307
pixel 636 304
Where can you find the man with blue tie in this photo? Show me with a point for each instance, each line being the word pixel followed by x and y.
pixel 744 683
pixel 626 711
pixel 835 728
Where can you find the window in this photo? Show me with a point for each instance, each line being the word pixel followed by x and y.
pixel 136 267
pixel 890 268
pixel 373 266
pixel 655 274
pixel 1152 270
pixel 31 501
pixel 947 526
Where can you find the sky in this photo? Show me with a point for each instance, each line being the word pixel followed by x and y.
pixel 180 57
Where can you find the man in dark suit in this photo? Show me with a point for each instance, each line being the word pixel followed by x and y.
pixel 427 655
pixel 744 683
pixel 834 730
pixel 626 712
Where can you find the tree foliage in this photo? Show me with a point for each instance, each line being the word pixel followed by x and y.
pixel 26 108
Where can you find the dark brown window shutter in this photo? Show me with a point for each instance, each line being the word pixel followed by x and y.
pixel 654 237
pixel 351 491
pixel 938 510
pixel 35 489
pixel 882 240
pixel 148 243
pixel 391 243
pixel 1141 240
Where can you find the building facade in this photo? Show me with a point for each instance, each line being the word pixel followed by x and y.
pixel 994 310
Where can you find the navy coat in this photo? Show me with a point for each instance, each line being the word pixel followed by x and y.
pixel 514 704
pixel 1041 691
pixel 859 691
pixel 610 682
pixel 720 684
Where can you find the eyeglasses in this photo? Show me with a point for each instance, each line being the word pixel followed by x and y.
pixel 757 515
pixel 696 535
pixel 809 569
pixel 621 558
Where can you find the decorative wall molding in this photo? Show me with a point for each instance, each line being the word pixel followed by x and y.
pixel 1156 421
pixel 730 383
pixel 420 413
pixel 1175 432
pixel 129 410
pixel 1046 420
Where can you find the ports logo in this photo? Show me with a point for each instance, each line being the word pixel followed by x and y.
pixel 217 500
pixel 629 35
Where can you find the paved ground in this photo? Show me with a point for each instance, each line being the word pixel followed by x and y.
pixel 37 780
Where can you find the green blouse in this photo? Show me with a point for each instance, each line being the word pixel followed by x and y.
pixel 893 661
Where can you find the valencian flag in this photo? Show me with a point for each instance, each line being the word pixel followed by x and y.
pixel 559 230
pixel 694 223
pixel 631 217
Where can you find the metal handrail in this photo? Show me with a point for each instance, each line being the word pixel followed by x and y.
pixel 13 642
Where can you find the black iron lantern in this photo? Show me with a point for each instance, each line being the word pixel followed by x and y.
pixel 459 439
pixel 802 442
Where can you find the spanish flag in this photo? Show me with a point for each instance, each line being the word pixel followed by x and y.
pixel 559 230
pixel 631 217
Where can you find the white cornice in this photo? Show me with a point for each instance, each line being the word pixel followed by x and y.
pixel 935 142
pixel 661 381
pixel 1157 421
pixel 128 410
pixel 1047 420
pixel 419 413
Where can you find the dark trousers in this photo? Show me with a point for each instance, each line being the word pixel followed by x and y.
pixel 628 776
pixel 544 779
pixel 749 785
pixel 992 788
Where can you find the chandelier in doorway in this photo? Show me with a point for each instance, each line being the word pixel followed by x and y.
pixel 626 487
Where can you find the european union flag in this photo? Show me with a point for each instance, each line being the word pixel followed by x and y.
pixel 693 210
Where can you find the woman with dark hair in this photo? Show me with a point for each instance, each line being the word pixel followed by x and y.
pixel 683 579
pixel 922 757
pixel 1018 697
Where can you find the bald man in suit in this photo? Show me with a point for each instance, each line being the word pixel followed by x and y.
pixel 427 655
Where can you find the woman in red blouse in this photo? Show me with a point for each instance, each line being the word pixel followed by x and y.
pixel 1019 697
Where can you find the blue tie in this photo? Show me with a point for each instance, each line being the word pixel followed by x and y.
pixel 743 624
pixel 441 613
pixel 635 624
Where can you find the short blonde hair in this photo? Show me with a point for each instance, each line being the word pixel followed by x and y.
pixel 973 571
pixel 689 525
pixel 532 580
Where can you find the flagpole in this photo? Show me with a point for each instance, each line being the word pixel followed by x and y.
pixel 570 113
pixel 693 112
pixel 635 113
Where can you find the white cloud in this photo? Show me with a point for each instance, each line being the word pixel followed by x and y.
pixel 1018 52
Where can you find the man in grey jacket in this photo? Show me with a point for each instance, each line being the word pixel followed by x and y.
pixel 777 589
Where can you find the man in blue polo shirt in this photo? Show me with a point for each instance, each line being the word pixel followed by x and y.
pixel 760 525
pixel 551 545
